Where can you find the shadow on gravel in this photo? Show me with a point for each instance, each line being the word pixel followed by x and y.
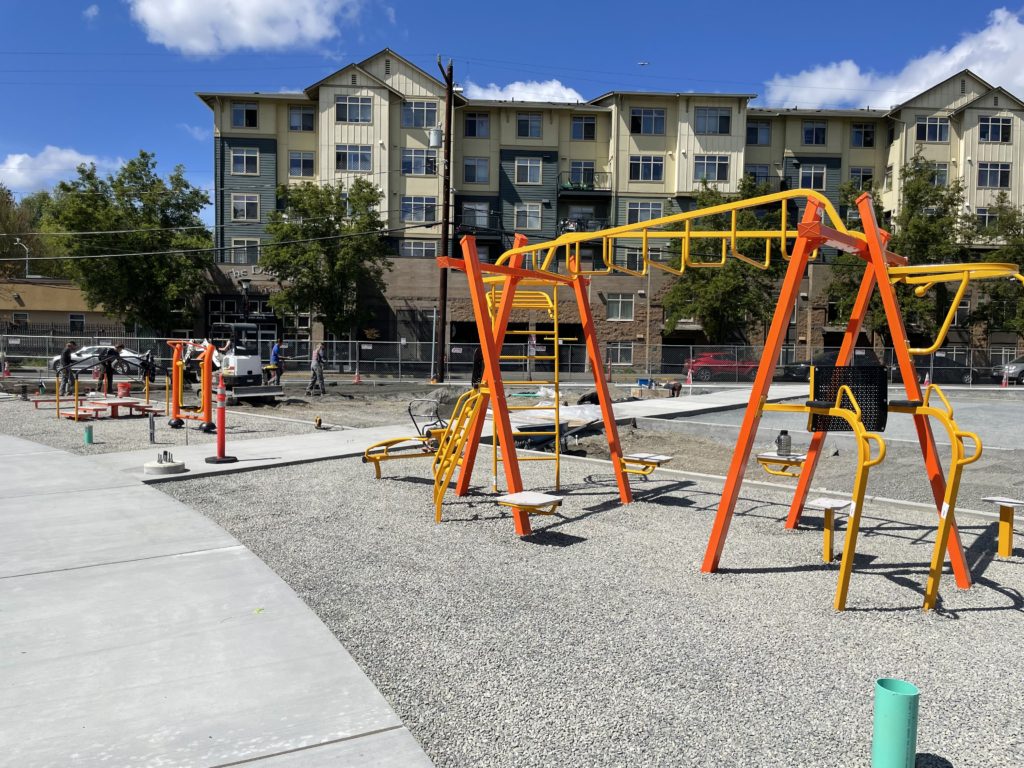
pixel 928 760
pixel 549 538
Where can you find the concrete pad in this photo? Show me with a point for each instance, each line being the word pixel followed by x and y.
pixel 11 446
pixel 22 477
pixel 394 748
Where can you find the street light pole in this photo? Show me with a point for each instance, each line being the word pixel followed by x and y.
pixel 17 241
pixel 446 191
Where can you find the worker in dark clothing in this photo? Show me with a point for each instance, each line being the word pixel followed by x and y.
pixel 67 376
pixel 107 358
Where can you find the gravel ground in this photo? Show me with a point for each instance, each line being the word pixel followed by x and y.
pixel 598 642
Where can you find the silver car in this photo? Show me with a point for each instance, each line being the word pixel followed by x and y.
pixel 129 362
pixel 1013 370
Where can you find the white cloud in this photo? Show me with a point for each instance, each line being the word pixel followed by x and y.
pixel 212 27
pixel 530 90
pixel 91 12
pixel 391 14
pixel 24 173
pixel 196 132
pixel 995 53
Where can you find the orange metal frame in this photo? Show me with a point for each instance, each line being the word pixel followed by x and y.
pixel 205 412
pixel 492 336
pixel 812 234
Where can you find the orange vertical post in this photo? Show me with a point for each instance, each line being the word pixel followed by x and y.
pixel 500 325
pixel 603 395
pixel 492 372
pixel 857 315
pixel 876 250
pixel 759 392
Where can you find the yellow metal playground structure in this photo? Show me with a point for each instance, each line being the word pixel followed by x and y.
pixel 528 271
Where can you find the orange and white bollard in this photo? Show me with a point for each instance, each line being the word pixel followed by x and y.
pixel 220 458
pixel 7 369
pixel 357 379
pixel 1006 379
pixel 689 380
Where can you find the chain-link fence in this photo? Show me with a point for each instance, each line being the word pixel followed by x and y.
pixel 624 361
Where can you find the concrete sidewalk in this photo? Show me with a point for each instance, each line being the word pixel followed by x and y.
pixel 134 631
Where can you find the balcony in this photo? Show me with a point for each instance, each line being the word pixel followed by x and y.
pixel 584 183
pixel 479 224
pixel 581 225
pixel 770 182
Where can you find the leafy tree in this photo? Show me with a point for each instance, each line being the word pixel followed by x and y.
pixel 327 249
pixel 928 229
pixel 18 219
pixel 734 299
pixel 160 286
pixel 1003 305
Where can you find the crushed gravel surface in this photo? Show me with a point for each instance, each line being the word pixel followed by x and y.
pixel 598 642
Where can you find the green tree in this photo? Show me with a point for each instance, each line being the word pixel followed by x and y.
pixel 18 221
pixel 327 249
pixel 732 300
pixel 134 211
pixel 929 228
pixel 1002 304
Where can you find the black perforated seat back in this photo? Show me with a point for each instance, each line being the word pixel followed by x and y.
pixel 870 386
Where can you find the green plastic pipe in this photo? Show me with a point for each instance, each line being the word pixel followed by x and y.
pixel 88 434
pixel 894 741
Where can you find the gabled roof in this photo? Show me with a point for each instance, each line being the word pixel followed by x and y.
pixel 575 106
pixel 311 90
pixel 675 94
pixel 209 96
pixel 998 89
pixel 798 112
pixel 961 73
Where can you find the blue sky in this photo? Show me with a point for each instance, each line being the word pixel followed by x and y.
pixel 98 81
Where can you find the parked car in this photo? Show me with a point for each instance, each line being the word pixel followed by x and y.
pixel 716 365
pixel 1014 371
pixel 129 362
pixel 801 370
pixel 940 369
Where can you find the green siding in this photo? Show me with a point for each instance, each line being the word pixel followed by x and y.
pixel 511 193
pixel 264 184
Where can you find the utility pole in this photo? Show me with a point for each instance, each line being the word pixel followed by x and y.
pixel 446 192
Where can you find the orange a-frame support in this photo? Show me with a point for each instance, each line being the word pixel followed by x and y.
pixel 812 233
pixel 492 335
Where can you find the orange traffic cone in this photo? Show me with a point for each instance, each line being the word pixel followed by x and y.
pixel 1006 379
pixel 357 379
pixel 927 379
pixel 7 369
pixel 689 378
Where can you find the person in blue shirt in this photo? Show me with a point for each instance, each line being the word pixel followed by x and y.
pixel 277 361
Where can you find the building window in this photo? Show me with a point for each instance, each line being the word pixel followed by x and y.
pixel 812 177
pixel 995 175
pixel 527 216
pixel 814 132
pixel 759 132
pixel 759 173
pixel 478 125
pixel 620 306
pixel 711 167
pixel 581 172
pixel 932 129
pixel 353 158
pixel 244 114
pixel 419 114
pixel 419 162
pixel 632 258
pixel 418 249
pixel 300 118
pixel 713 120
pixel 300 164
pixel 619 352
pixel 476 170
pixel 476 214
pixel 642 211
pixel 986 217
pixel 245 207
pixel 245 161
pixel 862 176
pixel 528 170
pixel 76 322
pixel 941 171
pixel 528 125
pixel 584 127
pixel 19 319
pixel 994 129
pixel 243 250
pixel 862 135
pixel 419 210
pixel 887 180
pixel 646 168
pixel 353 109
pixel 647 120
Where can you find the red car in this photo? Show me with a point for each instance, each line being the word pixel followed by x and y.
pixel 721 365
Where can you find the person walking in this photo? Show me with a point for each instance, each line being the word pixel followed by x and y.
pixel 277 361
pixel 67 376
pixel 107 358
pixel 316 371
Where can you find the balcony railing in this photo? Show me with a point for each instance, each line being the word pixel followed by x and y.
pixel 584 181
pixel 771 182
pixel 581 225
pixel 480 224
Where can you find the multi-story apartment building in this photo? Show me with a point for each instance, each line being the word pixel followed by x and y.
pixel 547 168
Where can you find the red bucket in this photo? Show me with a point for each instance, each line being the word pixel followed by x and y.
pixel 124 389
